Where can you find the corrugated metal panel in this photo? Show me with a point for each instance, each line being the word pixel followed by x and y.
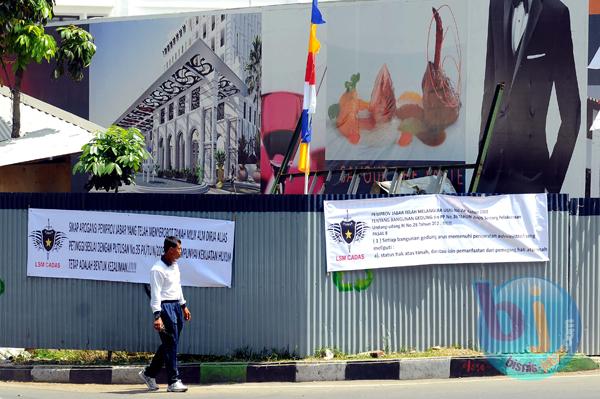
pixel 156 202
pixel 585 272
pixel 5 130
pixel 281 298
pixel 265 308
pixel 414 307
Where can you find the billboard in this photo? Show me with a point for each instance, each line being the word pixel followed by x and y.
pixel 410 83
pixel 400 83
pixel 190 83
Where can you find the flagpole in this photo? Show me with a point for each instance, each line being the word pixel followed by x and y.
pixel 307 171
pixel 310 96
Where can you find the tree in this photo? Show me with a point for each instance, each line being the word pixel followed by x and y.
pixel 254 68
pixel 242 150
pixel 253 81
pixel 112 158
pixel 23 40
pixel 220 158
pixel 257 148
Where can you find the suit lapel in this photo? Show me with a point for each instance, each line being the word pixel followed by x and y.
pixel 534 14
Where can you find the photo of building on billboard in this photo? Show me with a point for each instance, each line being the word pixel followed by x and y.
pixel 191 85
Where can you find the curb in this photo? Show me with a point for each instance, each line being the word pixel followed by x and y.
pixel 210 373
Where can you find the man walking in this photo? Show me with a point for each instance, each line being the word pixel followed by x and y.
pixel 170 310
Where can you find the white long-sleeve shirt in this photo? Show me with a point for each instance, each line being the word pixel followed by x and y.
pixel 165 285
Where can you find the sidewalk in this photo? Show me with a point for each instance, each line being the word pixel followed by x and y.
pixel 210 373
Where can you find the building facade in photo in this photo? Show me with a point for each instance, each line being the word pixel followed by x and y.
pixel 200 105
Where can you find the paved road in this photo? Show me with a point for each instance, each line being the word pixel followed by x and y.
pixel 579 385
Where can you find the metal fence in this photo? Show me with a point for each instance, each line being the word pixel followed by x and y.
pixel 415 307
pixel 584 258
pixel 281 295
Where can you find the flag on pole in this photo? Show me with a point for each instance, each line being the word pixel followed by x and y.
pixel 310 91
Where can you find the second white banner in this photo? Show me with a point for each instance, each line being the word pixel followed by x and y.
pixel 435 229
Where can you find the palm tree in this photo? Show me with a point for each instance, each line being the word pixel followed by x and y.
pixel 254 68
pixel 253 81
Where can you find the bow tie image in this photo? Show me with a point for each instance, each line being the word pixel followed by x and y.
pixel 525 4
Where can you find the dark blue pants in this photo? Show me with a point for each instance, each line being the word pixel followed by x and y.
pixel 172 318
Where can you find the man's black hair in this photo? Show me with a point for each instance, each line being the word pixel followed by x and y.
pixel 171 242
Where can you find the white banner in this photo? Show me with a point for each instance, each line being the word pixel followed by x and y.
pixel 124 246
pixel 435 229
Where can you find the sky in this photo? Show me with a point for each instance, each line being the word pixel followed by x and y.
pixel 128 60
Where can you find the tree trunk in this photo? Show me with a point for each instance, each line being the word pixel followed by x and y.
pixel 16 105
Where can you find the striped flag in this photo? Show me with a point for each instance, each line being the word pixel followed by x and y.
pixel 310 92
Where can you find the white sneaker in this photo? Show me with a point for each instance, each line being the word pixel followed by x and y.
pixel 177 386
pixel 149 381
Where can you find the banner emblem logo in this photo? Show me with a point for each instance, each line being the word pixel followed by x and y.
pixel 48 239
pixel 347 231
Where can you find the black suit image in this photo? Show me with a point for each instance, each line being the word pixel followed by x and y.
pixel 518 159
